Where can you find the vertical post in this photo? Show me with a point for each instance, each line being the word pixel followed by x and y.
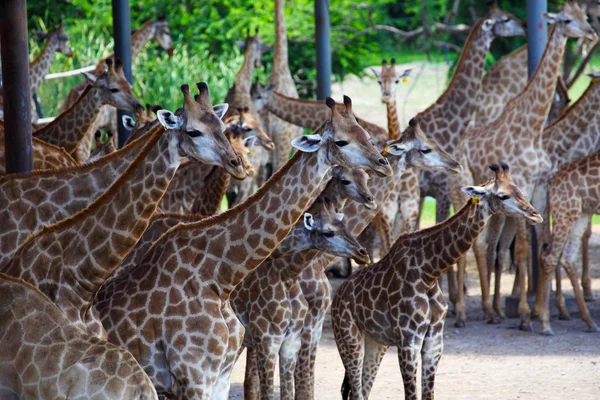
pixel 537 37
pixel 537 33
pixel 122 37
pixel 323 43
pixel 14 47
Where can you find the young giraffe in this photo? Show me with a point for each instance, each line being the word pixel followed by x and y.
pixel 71 126
pixel 516 137
pixel 57 40
pixel 573 200
pixel 269 302
pixel 281 131
pixel 45 356
pixel 145 121
pixel 99 237
pixel 398 302
pixel 315 286
pixel 102 148
pixel 201 263
pixel 107 118
pixel 45 156
pixel 51 196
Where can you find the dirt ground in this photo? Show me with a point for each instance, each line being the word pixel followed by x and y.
pixel 481 361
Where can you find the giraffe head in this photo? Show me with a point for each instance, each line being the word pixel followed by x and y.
pixel 502 196
pixel 420 152
pixel 58 38
pixel 113 88
pixel 388 79
pixel 327 232
pixel 591 7
pixel 201 131
pixel 162 35
pixel 352 183
pixel 244 147
pixel 342 141
pixel 253 49
pixel 102 148
pixel 503 23
pixel 572 22
pixel 245 124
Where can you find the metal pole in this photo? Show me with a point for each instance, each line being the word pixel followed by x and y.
pixel 15 86
pixel 537 37
pixel 323 43
pixel 122 36
pixel 537 33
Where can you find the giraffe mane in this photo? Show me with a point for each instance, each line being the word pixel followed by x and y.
pixel 81 168
pixel 88 88
pixel 99 201
pixel 29 286
pixel 459 65
pixel 142 28
pixel 46 44
pixel 240 208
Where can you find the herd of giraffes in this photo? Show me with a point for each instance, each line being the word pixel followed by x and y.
pixel 121 279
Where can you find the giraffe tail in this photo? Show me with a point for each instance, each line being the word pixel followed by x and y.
pixel 345 387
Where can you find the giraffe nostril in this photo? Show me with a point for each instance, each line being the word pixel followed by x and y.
pixel 369 199
pixel 383 161
pixel 235 163
pixel 362 252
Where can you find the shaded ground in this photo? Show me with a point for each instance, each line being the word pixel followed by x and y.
pixel 481 361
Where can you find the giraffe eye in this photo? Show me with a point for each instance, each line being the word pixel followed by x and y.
pixel 114 90
pixel 397 80
pixel 328 234
pixel 503 197
pixel 346 182
pixel 195 133
pixel 425 151
pixel 341 143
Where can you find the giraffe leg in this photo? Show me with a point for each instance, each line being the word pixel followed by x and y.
pixel 251 381
pixel 374 353
pixel 266 358
pixel 586 282
pixel 460 308
pixel 314 344
pixel 431 353
pixel 288 354
pixel 480 255
pixel 569 259
pixel 452 285
pixel 496 228
pixel 563 313
pixel 548 262
pixel 408 358
pixel 523 255
pixel 302 379
pixel 350 343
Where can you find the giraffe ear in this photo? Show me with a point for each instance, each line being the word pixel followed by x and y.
pixel 90 78
pixel 396 149
pixel 241 44
pixel 128 122
pixel 265 48
pixel 221 109
pixel 309 221
pixel 474 190
pixel 487 25
pixel 250 141
pixel 339 216
pixel 308 143
pixel 550 17
pixel 405 73
pixel 374 71
pixel 169 120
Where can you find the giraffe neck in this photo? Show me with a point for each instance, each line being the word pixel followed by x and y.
pixel 463 90
pixel 39 68
pixel 579 125
pixel 392 119
pixel 185 186
pixel 208 200
pixel 280 57
pixel 69 128
pixel 535 100
pixel 243 82
pixel 141 38
pixel 441 246
pixel 98 239
pixel 258 225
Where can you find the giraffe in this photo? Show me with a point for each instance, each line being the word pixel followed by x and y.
pixel 515 136
pixel 71 126
pixel 45 156
pixel 269 302
pixel 57 40
pixel 209 258
pixel 244 124
pixel 145 121
pixel 398 302
pixel 99 237
pixel 573 199
pixel 102 148
pixel 152 30
pixel 52 196
pixel 281 77
pixel 45 356
pixel 316 289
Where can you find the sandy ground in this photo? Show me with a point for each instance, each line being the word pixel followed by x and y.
pixel 481 361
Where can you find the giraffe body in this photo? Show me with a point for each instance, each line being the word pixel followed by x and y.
pixel 397 301
pixel 44 356
pixel 45 156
